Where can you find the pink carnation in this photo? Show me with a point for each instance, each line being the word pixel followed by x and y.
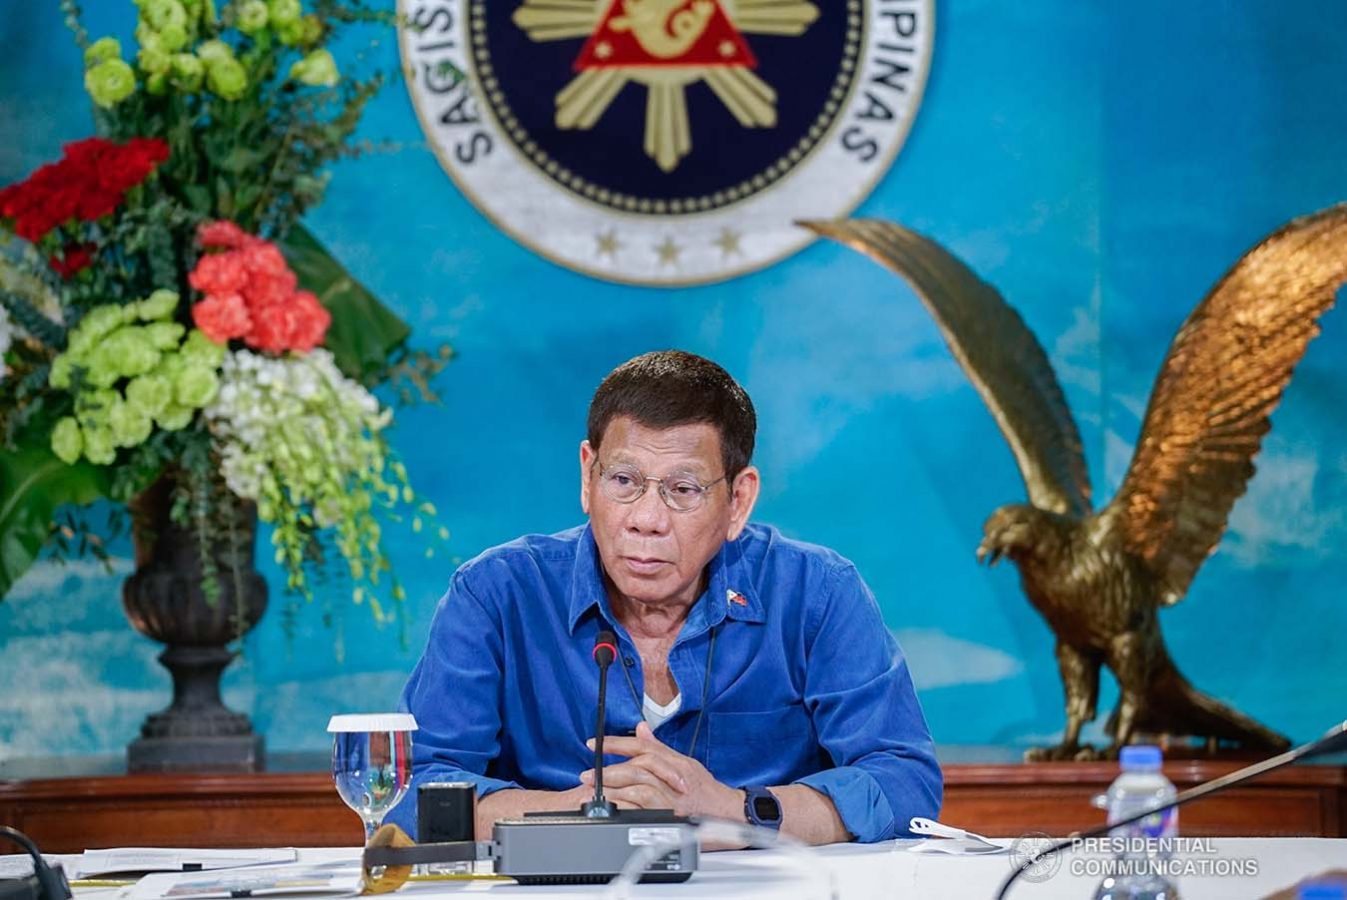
pixel 222 317
pixel 311 322
pixel 223 234
pixel 252 293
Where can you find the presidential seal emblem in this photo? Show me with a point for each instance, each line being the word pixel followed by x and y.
pixel 665 142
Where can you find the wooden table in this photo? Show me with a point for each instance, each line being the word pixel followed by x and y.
pixel 302 809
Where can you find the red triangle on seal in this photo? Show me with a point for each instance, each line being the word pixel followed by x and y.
pixel 664 33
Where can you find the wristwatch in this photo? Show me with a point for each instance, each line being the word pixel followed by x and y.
pixel 761 808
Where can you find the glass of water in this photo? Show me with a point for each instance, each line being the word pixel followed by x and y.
pixel 372 763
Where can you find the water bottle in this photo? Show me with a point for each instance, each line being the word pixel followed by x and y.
pixel 1142 847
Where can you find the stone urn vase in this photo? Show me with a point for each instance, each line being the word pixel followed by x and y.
pixel 165 600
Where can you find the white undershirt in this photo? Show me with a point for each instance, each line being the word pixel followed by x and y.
pixel 656 715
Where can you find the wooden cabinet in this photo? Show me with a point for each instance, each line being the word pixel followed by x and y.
pixel 302 809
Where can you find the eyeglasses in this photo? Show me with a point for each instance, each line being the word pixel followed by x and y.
pixel 680 491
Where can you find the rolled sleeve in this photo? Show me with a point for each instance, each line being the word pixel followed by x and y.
pixel 455 694
pixel 867 717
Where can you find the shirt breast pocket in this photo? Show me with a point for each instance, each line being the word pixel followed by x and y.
pixel 767 747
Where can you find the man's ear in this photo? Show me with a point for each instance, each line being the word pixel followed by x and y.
pixel 587 456
pixel 743 496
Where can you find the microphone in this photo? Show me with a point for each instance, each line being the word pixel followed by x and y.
pixel 1334 741
pixel 605 651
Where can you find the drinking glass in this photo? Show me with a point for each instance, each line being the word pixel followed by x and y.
pixel 372 763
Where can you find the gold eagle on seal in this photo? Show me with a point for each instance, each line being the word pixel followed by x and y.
pixel 665 46
pixel 1099 577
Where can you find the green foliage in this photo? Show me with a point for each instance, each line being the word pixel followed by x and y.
pixel 33 484
pixel 364 334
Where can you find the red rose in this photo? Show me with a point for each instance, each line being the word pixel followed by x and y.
pixel 74 258
pixel 222 317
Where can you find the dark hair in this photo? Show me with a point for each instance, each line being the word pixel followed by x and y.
pixel 670 387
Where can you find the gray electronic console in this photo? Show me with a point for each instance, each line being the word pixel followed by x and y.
pixel 562 848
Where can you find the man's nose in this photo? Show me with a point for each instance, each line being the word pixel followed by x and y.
pixel 649 512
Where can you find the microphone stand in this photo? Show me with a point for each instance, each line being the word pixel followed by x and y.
pixel 1335 741
pixel 605 650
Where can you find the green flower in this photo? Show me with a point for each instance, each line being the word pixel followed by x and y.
pixel 127 351
pixel 317 69
pixel 154 58
pixel 131 426
pixel 197 385
pixel 226 78
pixel 102 320
pixel 291 33
pixel 201 350
pixel 66 441
pixel 163 335
pixel 110 82
pixel 283 12
pixel 251 16
pixel 102 50
pixel 174 37
pixel 160 304
pixel 59 376
pixel 187 72
pixel 311 30
pixel 150 394
pixel 156 83
pixel 211 51
pixel 98 446
pixel 174 417
pixel 160 14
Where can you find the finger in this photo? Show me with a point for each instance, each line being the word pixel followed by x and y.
pixel 670 771
pixel 645 733
pixel 619 745
pixel 630 773
pixel 643 796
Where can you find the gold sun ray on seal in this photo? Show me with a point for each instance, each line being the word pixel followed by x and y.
pixel 698 40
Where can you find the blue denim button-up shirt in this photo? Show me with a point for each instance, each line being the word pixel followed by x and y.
pixel 806 684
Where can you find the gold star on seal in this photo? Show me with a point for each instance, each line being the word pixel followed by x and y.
pixel 668 252
pixel 728 242
pixel 607 243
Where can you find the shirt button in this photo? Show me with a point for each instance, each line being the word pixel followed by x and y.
pixel 629 661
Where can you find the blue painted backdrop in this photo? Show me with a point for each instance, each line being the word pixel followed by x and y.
pixel 1102 168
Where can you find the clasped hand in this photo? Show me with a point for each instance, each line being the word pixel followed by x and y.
pixel 656 776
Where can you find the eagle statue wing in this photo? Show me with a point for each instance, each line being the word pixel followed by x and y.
pixel 1221 379
pixel 997 351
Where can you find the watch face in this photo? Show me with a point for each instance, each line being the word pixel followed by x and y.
pixel 766 808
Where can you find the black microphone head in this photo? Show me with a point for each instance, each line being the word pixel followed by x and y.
pixel 605 647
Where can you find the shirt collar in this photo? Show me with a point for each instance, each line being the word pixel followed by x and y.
pixel 730 592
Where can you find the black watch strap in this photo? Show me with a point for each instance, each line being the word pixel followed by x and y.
pixel 761 808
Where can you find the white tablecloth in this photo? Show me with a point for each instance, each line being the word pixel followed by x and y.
pixel 891 872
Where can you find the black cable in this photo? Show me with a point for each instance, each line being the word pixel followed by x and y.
pixel 706 689
pixel 49 882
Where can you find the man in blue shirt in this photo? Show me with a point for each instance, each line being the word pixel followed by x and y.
pixel 755 679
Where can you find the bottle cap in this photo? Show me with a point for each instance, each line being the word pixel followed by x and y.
pixel 1322 890
pixel 1140 758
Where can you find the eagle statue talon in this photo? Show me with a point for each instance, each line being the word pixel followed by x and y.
pixel 1099 577
pixel 1061 753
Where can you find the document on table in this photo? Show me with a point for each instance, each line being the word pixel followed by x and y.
pixel 20 865
pixel 332 880
pixel 159 859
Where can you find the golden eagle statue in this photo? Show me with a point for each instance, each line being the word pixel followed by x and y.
pixel 1100 577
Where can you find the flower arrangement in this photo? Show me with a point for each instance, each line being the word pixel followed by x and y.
pixel 164 313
